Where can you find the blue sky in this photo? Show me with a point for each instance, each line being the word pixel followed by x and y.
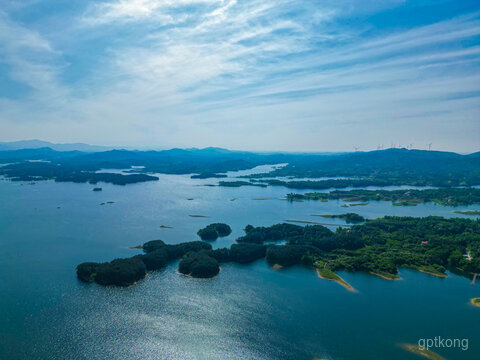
pixel 259 75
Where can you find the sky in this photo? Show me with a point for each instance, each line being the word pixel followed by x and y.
pixel 288 75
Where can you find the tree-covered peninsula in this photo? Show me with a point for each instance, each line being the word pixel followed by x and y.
pixel 381 246
pixel 410 197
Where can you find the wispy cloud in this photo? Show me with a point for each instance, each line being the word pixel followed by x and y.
pixel 281 73
pixel 32 59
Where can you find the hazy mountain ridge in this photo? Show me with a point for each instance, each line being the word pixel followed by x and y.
pixel 379 167
pixel 37 144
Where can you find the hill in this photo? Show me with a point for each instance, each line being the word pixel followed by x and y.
pixel 378 168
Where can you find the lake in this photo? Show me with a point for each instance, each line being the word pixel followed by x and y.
pixel 246 312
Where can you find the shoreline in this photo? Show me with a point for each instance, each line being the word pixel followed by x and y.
pixel 415 349
pixel 385 276
pixel 338 281
pixel 434 274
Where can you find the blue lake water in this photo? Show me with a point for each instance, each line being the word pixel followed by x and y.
pixel 247 312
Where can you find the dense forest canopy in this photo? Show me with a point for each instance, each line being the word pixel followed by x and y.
pixel 213 231
pixel 430 244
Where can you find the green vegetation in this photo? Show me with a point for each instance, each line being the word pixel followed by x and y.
pixel 207 175
pixel 213 231
pixel 199 264
pixel 239 183
pixel 324 272
pixel 469 212
pixel 300 221
pixel 125 272
pixel 323 184
pixel 422 352
pixel 350 218
pixel 287 255
pixel 381 168
pixel 359 169
pixel 447 197
pixel 246 253
pixel 32 171
pixel 431 245
pixel 87 271
pixel 380 246
pixel 120 272
pixel 157 259
pixel 475 301
pixel 259 235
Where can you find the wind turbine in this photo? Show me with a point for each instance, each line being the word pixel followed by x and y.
pixel 430 146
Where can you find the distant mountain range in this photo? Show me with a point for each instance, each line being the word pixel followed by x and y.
pixel 37 144
pixel 386 167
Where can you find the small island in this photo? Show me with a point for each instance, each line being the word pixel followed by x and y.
pixel 350 218
pixel 97 189
pixel 213 231
pixel 475 301
pixel 468 212
pixel 239 183
pixel 207 175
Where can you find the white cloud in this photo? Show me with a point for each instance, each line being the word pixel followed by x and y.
pixel 226 71
pixel 135 10
pixel 30 56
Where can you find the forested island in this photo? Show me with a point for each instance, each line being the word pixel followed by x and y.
pixel 468 212
pixel 213 231
pixel 442 196
pixel 239 183
pixel 207 176
pixel 430 244
pixel 350 218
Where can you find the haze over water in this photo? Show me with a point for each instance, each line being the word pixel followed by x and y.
pixel 246 312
